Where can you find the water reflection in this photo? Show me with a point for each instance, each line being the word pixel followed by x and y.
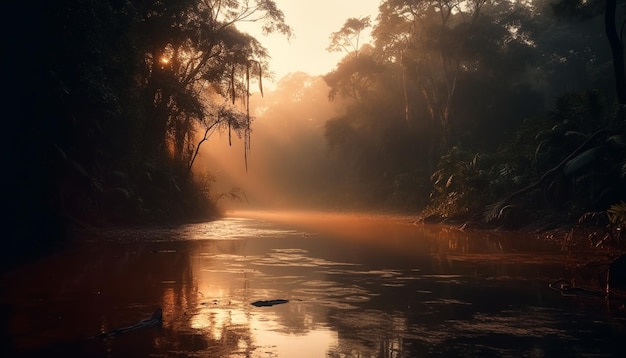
pixel 356 285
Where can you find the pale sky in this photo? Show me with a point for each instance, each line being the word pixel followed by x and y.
pixel 312 21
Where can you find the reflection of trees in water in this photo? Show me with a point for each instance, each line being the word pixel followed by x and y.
pixel 450 240
pixel 368 333
pixel 387 313
pixel 422 316
pixel 416 311
pixel 378 326
pixel 195 323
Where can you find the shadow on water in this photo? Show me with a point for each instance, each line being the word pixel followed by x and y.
pixel 352 285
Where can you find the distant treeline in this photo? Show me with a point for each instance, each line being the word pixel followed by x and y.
pixel 501 113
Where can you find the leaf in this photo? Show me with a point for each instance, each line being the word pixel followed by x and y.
pixel 617 208
pixel 617 213
pixel 575 135
pixel 539 149
pixel 449 182
pixel 493 211
pixel 582 160
pixel 616 141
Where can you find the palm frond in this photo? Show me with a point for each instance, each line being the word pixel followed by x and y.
pixel 580 161
pixel 494 211
pixel 616 141
pixel 617 213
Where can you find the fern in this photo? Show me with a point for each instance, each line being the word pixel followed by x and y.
pixel 617 214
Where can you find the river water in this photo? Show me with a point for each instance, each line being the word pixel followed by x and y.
pixel 354 285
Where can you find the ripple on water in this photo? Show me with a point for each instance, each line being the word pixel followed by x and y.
pixel 447 301
pixel 319 283
pixel 223 229
pixel 531 324
pixel 294 260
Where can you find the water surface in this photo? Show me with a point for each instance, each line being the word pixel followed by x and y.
pixel 356 285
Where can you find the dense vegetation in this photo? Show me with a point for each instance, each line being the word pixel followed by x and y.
pixel 482 111
pixel 108 104
pixel 492 113
pixel 457 105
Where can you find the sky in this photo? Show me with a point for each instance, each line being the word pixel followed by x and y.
pixel 312 23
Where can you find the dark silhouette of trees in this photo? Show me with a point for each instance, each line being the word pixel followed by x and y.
pixel 203 58
pixel 107 99
pixel 614 19
pixel 616 42
pixel 348 38
pixel 463 86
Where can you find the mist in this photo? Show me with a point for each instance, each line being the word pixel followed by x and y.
pixel 289 165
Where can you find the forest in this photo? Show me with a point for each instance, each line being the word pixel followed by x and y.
pixel 488 113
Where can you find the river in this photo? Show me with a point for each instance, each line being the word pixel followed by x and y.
pixel 352 285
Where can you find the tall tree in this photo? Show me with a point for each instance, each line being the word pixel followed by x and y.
pixel 199 63
pixel 348 38
pixel 109 96
pixel 614 26
pixel 426 38
pixel 617 47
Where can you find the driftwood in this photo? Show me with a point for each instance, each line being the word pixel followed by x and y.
pixel 156 320
pixel 269 303
pixel 611 281
pixel 566 288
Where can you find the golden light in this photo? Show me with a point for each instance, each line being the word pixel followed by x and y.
pixel 306 51
pixel 165 60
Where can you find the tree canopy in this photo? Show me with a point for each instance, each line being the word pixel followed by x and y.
pixel 441 99
pixel 109 97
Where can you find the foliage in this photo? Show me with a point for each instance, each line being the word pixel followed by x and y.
pixel 348 38
pixel 465 86
pixel 576 161
pixel 108 96
pixel 455 182
pixel 617 214
pixel 461 178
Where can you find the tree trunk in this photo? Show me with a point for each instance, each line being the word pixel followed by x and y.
pixel 617 50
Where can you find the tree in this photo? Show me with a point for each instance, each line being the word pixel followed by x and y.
pixel 355 76
pixel 202 59
pixel 108 96
pixel 617 48
pixel 426 38
pixel 613 28
pixel 348 38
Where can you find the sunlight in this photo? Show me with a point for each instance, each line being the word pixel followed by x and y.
pixel 224 312
pixel 315 343
pixel 313 23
